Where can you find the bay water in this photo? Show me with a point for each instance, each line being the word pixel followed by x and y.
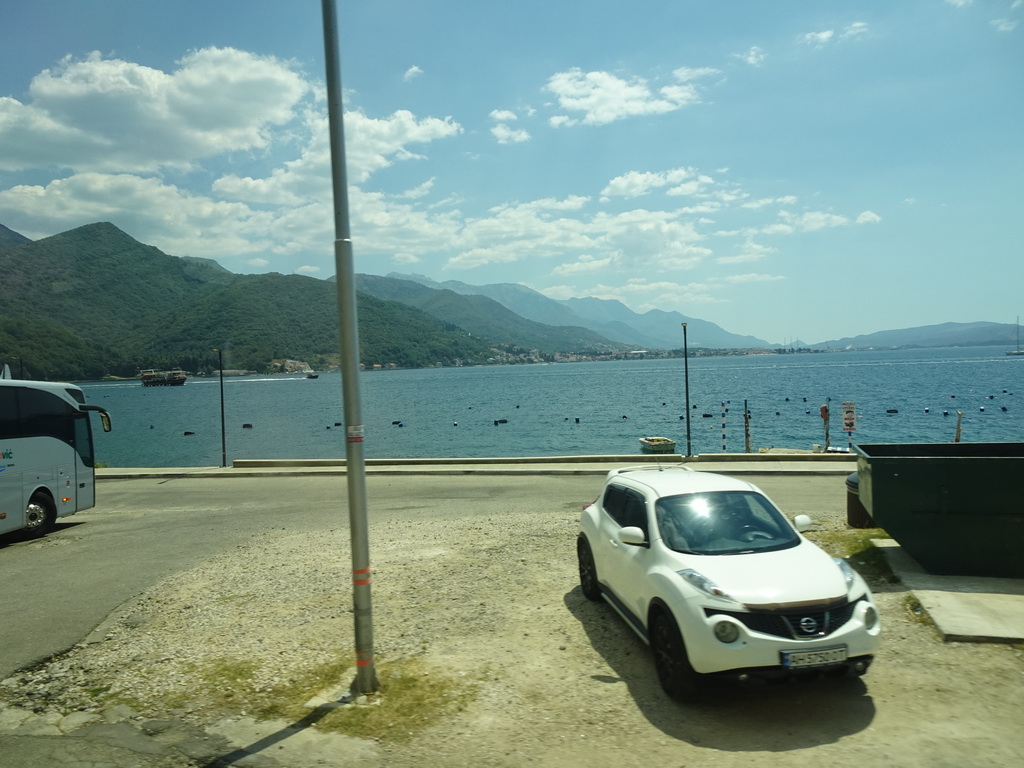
pixel 570 409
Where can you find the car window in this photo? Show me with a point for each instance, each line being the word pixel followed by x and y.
pixel 626 507
pixel 723 522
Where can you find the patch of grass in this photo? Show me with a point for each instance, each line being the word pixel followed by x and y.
pixel 854 546
pixel 412 696
pixel 916 611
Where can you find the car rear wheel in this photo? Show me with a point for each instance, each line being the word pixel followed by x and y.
pixel 39 516
pixel 675 674
pixel 588 570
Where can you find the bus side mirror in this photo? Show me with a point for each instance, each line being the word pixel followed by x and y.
pixel 104 416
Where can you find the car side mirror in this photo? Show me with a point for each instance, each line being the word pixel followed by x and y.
pixel 802 523
pixel 632 535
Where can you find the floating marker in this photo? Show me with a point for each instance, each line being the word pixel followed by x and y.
pixel 189 433
pixel 247 426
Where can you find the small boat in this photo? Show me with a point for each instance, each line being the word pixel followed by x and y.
pixel 151 378
pixel 657 445
pixel 312 375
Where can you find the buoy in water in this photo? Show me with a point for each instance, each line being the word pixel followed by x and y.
pixel 891 410
pixel 247 426
pixel 189 433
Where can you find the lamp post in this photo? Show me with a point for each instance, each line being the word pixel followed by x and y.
pixel 348 328
pixel 223 434
pixel 686 379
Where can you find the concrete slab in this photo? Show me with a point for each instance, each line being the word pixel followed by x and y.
pixel 964 608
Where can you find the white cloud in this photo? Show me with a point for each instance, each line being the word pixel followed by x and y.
pixel 506 135
pixel 812 221
pixel 639 183
pixel 855 30
pixel 868 217
pixel 754 56
pixel 766 201
pixel 1004 25
pixel 749 251
pixel 604 98
pixel 503 115
pixel 160 214
pixel 412 73
pixel 307 270
pixel 111 115
pixel 818 39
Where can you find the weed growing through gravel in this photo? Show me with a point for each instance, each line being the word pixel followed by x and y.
pixel 413 696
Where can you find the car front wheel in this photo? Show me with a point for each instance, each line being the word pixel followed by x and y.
pixel 588 570
pixel 675 674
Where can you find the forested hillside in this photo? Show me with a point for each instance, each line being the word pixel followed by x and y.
pixel 94 301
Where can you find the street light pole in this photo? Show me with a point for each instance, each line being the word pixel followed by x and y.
pixel 348 317
pixel 686 378
pixel 223 432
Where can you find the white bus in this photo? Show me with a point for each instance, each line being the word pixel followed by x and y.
pixel 47 464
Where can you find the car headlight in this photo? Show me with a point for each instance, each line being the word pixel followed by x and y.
pixel 705 585
pixel 848 573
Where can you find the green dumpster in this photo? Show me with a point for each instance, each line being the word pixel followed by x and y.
pixel 956 508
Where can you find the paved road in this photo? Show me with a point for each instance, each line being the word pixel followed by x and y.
pixel 55 591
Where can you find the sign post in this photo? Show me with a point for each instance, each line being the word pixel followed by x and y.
pixel 849 422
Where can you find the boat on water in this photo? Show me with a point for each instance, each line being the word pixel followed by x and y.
pixel 152 378
pixel 657 445
pixel 312 375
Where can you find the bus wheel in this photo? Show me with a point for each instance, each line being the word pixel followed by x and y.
pixel 39 516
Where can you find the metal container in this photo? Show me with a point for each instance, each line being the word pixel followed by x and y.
pixel 956 508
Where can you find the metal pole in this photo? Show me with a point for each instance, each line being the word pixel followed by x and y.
pixel 686 378
pixel 366 675
pixel 746 427
pixel 223 431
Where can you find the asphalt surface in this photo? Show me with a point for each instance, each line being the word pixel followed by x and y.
pixel 185 515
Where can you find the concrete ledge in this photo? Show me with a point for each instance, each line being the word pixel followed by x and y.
pixel 662 458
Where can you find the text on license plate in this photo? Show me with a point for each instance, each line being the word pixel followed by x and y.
pixel 815 658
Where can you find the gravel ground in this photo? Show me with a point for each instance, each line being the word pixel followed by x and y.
pixel 492 604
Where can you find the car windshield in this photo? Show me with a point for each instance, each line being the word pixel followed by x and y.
pixel 723 523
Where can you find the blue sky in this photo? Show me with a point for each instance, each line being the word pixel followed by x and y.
pixel 789 170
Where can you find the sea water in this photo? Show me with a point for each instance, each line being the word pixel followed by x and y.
pixel 572 408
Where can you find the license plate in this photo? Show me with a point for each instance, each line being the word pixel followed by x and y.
pixel 817 658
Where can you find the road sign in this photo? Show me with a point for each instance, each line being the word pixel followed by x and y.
pixel 849 416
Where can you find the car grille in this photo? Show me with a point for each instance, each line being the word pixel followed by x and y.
pixel 799 626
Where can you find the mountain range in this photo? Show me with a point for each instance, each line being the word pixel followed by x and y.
pixel 94 301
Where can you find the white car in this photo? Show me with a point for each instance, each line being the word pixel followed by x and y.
pixel 710 574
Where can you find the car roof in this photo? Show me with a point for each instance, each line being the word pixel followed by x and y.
pixel 672 480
